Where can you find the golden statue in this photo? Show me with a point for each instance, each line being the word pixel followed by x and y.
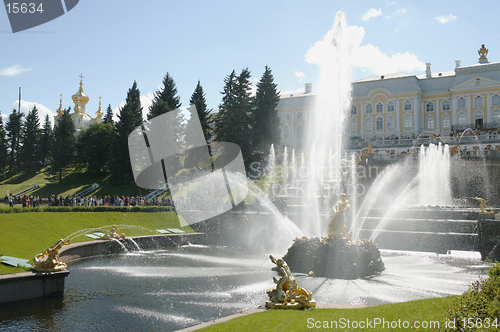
pixel 482 206
pixel 337 222
pixel 287 293
pixel 483 52
pixel 113 235
pixel 454 150
pixel 51 263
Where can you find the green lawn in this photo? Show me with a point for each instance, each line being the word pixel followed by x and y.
pixel 24 235
pixel 422 312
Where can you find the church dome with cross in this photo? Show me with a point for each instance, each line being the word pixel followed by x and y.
pixel 81 119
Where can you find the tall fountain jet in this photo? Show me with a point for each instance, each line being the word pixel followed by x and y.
pixel 326 124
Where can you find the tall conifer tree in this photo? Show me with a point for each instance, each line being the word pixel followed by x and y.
pixel 3 147
pixel 13 128
pixel 30 138
pixel 45 140
pixel 119 164
pixel 165 99
pixel 63 145
pixel 265 121
pixel 198 100
pixel 108 118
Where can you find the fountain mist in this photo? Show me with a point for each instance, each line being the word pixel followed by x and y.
pixel 326 123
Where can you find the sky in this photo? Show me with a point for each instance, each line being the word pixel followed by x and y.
pixel 114 42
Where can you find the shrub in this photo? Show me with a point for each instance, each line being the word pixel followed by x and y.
pixel 478 309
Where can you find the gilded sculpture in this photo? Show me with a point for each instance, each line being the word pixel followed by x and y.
pixel 51 262
pixel 483 52
pixel 113 234
pixel 483 206
pixel 287 293
pixel 337 222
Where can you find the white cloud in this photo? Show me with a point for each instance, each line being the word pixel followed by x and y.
pixel 300 75
pixel 367 57
pixel 396 30
pixel 27 106
pixel 372 12
pixel 389 3
pixel 397 12
pixel 13 70
pixel 445 18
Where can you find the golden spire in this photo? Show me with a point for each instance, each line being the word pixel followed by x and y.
pixel 99 112
pixel 60 110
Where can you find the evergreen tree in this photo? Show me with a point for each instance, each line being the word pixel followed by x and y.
pixel 63 145
pixel 94 145
pixel 226 105
pixel 265 121
pixel 13 128
pixel 134 101
pixel 198 100
pixel 235 111
pixel 165 99
pixel 108 118
pixel 3 147
pixel 30 138
pixel 45 140
pixel 119 164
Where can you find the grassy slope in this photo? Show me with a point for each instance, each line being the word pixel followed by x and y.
pixel 24 235
pixel 72 184
pixel 297 320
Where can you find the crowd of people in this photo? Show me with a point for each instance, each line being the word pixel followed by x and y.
pixel 73 201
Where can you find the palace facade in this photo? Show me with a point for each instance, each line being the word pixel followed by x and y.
pixel 391 111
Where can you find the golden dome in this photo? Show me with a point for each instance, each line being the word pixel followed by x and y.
pixel 80 98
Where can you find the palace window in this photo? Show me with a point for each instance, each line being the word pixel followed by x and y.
pixel 430 123
pixel 286 133
pixel 298 133
pixel 353 126
pixel 369 109
pixel 478 101
pixel 369 124
pixel 380 123
pixel 461 102
pixel 379 108
pixel 496 117
pixel 461 119
pixel 390 122
pixel 390 107
pixel 445 106
pixel 408 123
pixel 408 105
pixel 495 100
pixel 354 110
pixel 429 107
pixel 446 122
pixel 299 116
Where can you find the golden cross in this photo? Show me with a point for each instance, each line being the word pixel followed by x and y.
pixel 61 95
pixel 81 77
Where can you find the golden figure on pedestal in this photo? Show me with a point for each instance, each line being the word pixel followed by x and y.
pixel 287 293
pixel 337 222
pixel 51 255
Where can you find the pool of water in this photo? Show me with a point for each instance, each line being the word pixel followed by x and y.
pixel 167 290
